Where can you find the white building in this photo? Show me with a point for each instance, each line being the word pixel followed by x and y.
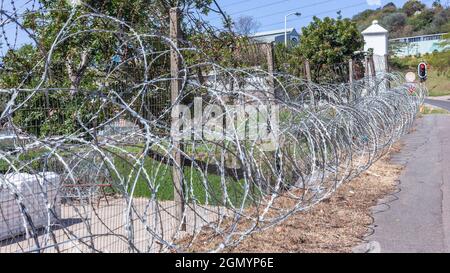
pixel 418 45
pixel 276 36
pixel 376 39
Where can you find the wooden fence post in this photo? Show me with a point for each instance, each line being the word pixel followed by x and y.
pixel 386 63
pixel 308 71
pixel 269 147
pixel 366 72
pixel 386 67
pixel 175 88
pixel 372 67
pixel 270 65
pixel 373 72
pixel 366 66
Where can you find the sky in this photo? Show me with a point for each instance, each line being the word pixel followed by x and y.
pixel 270 13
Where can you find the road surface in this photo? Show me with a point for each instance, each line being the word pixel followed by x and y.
pixel 419 220
pixel 445 104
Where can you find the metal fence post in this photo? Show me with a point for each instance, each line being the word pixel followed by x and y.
pixel 175 88
pixel 350 79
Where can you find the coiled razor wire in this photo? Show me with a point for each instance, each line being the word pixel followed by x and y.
pixel 252 148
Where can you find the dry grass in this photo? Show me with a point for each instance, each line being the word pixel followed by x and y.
pixel 336 225
pixel 429 110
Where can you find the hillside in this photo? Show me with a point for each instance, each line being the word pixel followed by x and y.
pixel 413 18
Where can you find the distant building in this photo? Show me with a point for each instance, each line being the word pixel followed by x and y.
pixel 277 36
pixel 417 45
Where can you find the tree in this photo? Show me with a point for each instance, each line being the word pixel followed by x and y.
pixel 390 7
pixel 95 52
pixel 437 5
pixel 246 25
pixel 89 55
pixel 329 42
pixel 413 6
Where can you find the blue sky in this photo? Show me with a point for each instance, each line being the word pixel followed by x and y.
pixel 270 13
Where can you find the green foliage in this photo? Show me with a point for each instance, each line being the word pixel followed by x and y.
pixel 56 113
pixel 437 4
pixel 413 6
pixel 17 66
pixel 84 60
pixel 289 60
pixel 329 42
pixel 439 62
pixel 35 158
pixel 394 20
pixel 438 82
pixel 445 42
pixel 390 7
pixel 425 18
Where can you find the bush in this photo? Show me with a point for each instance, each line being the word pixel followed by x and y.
pixel 394 20
pixel 422 20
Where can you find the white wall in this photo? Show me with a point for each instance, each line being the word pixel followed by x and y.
pixel 415 48
pixel 37 193
pixel 379 43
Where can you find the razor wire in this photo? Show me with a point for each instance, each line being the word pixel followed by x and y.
pixel 252 148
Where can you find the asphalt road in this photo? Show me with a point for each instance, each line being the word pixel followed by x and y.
pixel 439 103
pixel 417 219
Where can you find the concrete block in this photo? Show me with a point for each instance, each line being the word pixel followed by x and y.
pixel 37 192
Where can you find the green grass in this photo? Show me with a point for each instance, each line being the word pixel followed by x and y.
pixel 438 85
pixel 160 176
pixel 438 82
pixel 31 157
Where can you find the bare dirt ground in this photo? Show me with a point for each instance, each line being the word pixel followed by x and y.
pixel 336 225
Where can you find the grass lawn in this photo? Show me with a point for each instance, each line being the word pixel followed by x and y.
pixel 161 177
pixel 204 190
pixel 438 85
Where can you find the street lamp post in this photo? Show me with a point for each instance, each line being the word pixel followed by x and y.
pixel 285 25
